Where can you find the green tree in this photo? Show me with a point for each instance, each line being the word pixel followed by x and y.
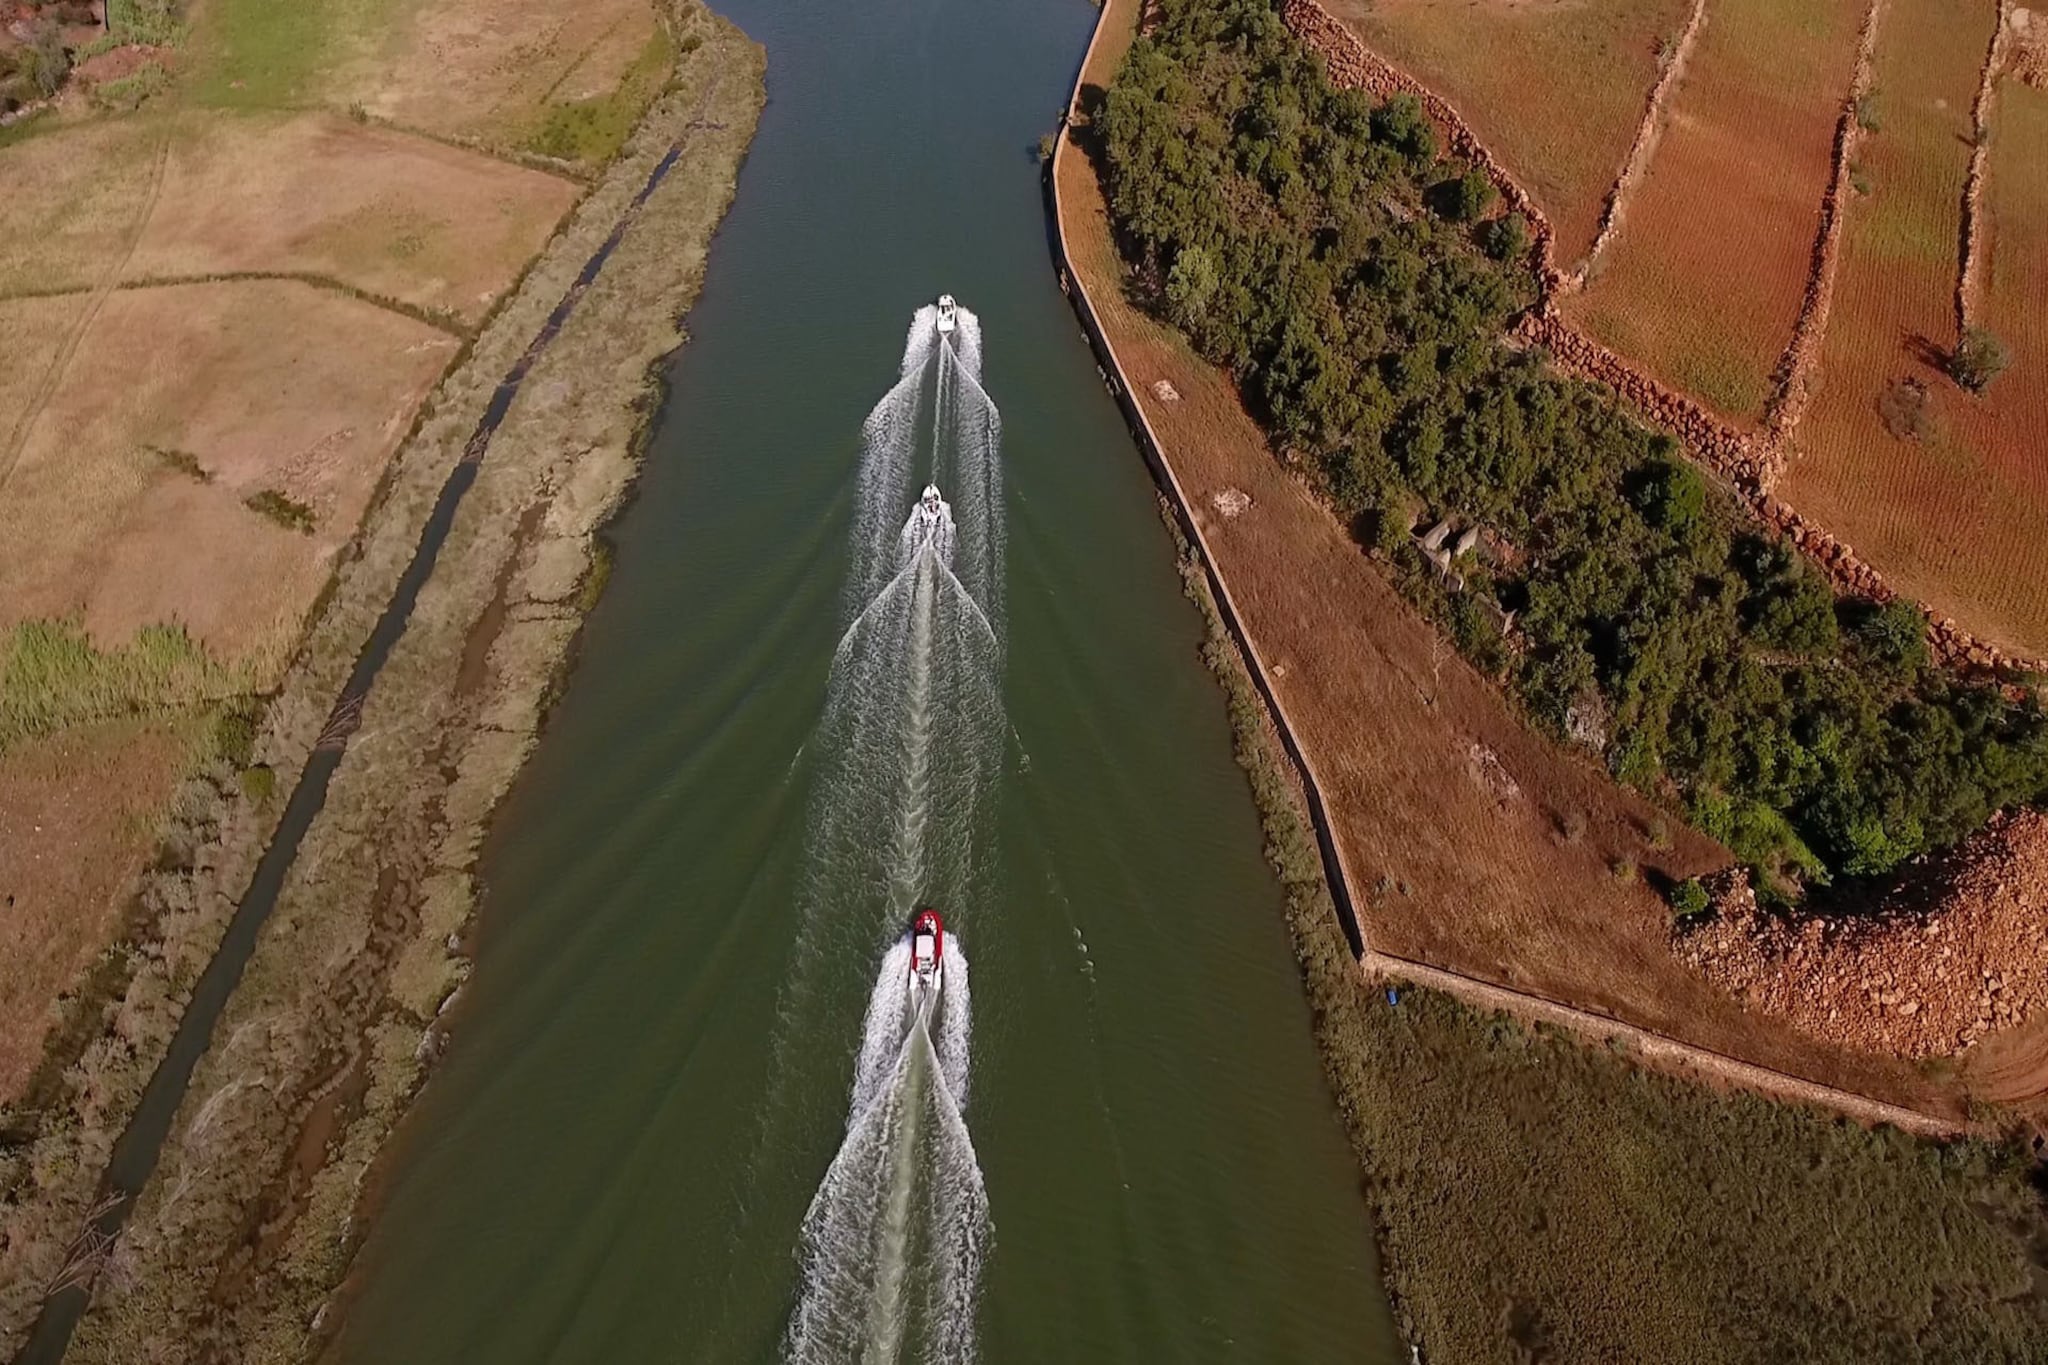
pixel 1979 358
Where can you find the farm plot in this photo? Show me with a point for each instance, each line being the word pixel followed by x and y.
pixel 1942 492
pixel 1703 284
pixel 513 73
pixel 137 494
pixel 378 210
pixel 1556 88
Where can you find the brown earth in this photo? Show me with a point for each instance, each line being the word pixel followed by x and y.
pixel 1950 514
pixel 391 214
pixel 1511 882
pixel 1955 955
pixel 266 385
pixel 483 70
pixel 1704 284
pixel 78 814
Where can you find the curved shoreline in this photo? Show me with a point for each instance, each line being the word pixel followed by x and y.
pixel 1672 1053
pixel 320 1045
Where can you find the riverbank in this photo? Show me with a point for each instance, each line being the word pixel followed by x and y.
pixel 1624 1210
pixel 251 1217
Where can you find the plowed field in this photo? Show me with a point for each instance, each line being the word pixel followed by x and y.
pixel 1951 512
pixel 1702 285
pixel 1556 88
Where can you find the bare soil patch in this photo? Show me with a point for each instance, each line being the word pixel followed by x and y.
pixel 264 385
pixel 1954 516
pixel 78 812
pixel 1704 283
pixel 1503 870
pixel 486 69
pixel 1556 87
pixel 395 215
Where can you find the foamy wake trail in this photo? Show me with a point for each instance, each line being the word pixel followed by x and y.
pixel 895 1237
pixel 910 745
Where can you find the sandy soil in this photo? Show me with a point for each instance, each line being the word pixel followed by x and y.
pixel 1704 282
pixel 392 214
pixel 268 385
pixel 78 812
pixel 1451 816
pixel 483 69
pixel 1555 87
pixel 1953 518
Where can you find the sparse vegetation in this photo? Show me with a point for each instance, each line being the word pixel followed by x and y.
pixel 286 512
pixel 591 131
pixel 1278 221
pixel 182 461
pixel 52 676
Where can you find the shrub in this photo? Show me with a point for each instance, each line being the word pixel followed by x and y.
pixel 1689 899
pixel 290 514
pixel 258 783
pixel 1979 358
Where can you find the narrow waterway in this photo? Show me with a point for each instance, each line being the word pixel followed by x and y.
pixel 615 1161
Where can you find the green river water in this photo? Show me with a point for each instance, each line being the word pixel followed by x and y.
pixel 614 1160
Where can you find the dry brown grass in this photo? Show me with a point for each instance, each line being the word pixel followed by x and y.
pixel 1555 87
pixel 268 384
pixel 1954 519
pixel 484 70
pixel 1703 284
pixel 78 812
pixel 70 203
pixel 399 216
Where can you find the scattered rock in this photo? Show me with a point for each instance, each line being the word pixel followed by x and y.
pixel 1165 392
pixel 1232 502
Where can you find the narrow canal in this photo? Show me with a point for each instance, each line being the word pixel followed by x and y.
pixel 615 1160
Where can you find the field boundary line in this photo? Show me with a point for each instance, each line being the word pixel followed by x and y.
pixel 1970 267
pixel 1675 1054
pixel 60 363
pixel 438 319
pixel 1649 134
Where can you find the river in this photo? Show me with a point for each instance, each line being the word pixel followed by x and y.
pixel 615 1158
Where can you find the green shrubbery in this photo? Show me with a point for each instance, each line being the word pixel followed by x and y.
pixel 1317 245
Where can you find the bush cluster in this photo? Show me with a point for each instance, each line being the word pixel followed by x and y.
pixel 1318 245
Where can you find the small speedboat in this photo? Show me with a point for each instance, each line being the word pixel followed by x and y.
pixel 949 314
pixel 927 948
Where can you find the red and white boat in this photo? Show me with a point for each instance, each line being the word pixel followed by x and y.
pixel 927 949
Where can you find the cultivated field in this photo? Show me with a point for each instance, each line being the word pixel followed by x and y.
pixel 1555 87
pixel 1703 283
pixel 1943 492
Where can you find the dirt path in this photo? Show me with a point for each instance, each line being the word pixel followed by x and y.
pixel 1480 879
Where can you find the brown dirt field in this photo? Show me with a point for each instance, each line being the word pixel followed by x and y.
pixel 1703 284
pixel 1555 87
pixel 383 211
pixel 78 812
pixel 1954 518
pixel 1447 809
pixel 483 69
pixel 34 329
pixel 268 385
pixel 71 202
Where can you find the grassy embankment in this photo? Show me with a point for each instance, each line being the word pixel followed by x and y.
pixel 1542 1200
